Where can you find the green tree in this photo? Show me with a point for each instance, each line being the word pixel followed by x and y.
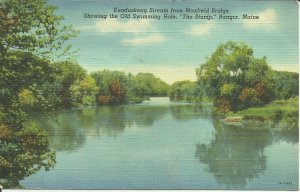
pixel 234 78
pixel 30 34
pixel 151 86
pixel 117 92
pixel 227 64
pixel 284 84
pixel 257 71
pixel 109 84
pixel 185 91
pixel 85 91
pixel 103 79
pixel 22 74
pixel 135 89
pixel 32 26
pixel 67 74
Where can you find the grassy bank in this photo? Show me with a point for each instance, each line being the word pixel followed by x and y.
pixel 285 112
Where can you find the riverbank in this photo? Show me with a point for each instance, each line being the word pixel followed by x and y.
pixel 279 111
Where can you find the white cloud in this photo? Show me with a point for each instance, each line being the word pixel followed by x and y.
pixel 131 26
pixel 267 18
pixel 139 28
pixel 155 38
pixel 202 29
pixel 113 25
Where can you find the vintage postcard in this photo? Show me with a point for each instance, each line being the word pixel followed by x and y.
pixel 128 94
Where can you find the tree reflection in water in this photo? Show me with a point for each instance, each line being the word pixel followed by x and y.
pixel 190 112
pixel 235 154
pixel 70 129
pixel 63 131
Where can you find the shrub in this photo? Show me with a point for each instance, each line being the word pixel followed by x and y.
pixel 103 100
pixel 249 97
pixel 222 107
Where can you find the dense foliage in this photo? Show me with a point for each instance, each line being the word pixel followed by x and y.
pixel 236 80
pixel 116 87
pixel 186 91
pixel 149 85
pixel 30 34
pixel 284 84
pixel 32 26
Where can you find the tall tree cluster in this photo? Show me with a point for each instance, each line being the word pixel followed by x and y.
pixel 116 87
pixel 236 80
pixel 30 34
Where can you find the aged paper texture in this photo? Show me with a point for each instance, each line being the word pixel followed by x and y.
pixel 127 94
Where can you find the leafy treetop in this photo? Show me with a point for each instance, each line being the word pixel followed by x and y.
pixel 32 27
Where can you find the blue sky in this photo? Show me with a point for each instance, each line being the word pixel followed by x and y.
pixel 172 49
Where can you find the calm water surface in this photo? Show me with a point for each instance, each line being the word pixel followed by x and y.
pixel 163 145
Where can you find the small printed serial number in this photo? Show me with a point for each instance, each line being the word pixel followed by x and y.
pixel 284 183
